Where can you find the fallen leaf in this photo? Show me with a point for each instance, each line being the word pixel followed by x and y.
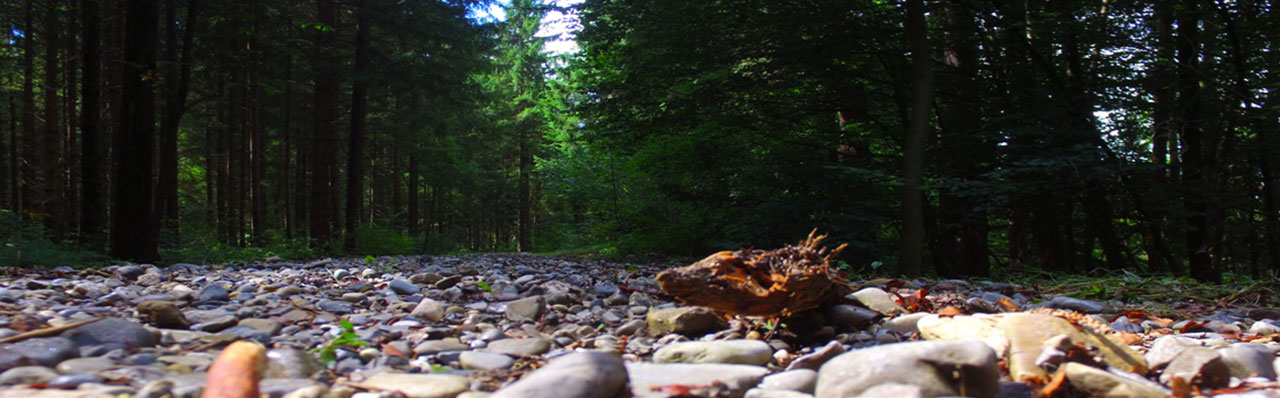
pixel 1007 304
pixel 392 350
pixel 1129 338
pixel 950 311
pixel 1055 387
pixel 1180 388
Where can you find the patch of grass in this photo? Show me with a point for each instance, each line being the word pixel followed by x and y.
pixel 27 244
pixel 327 353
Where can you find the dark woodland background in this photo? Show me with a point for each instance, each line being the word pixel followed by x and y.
pixel 951 137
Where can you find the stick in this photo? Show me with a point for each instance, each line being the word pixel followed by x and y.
pixel 47 331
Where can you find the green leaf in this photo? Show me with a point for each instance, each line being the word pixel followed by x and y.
pixel 484 286
pixel 369 260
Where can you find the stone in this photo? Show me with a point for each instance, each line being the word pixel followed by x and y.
pixel 629 328
pixel 765 393
pixel 45 351
pixel 278 388
pixel 213 325
pixel 577 375
pixel 353 297
pixel 736 379
pixel 1027 334
pixel 50 393
pixel 427 347
pixel 336 306
pixel 896 390
pixel 72 381
pixel 268 326
pixel 428 310
pixel 84 365
pixel 802 380
pixel 956 367
pixel 689 321
pixel 318 391
pixel 1246 360
pixel 1200 366
pixel 746 352
pixel 1075 304
pixel 850 317
pixel 981 327
pixel 1098 383
pixel 906 324
pixel 23 375
pixel 879 301
pixel 213 292
pixel 526 309
pixel 530 346
pixel 289 291
pixel 483 360
pixel 115 333
pixel 820 356
pixel 1164 349
pixel 399 285
pixel 419 385
pixel 447 282
pixel 162 314
pixel 290 363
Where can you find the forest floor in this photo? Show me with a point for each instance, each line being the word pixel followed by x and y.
pixel 505 325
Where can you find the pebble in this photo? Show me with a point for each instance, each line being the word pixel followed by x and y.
pixel 578 375
pixel 526 309
pixel 27 375
pixel 928 365
pixel 46 351
pixel 746 352
pixel 879 301
pixel 1200 366
pixel 528 347
pixel 483 360
pixel 419 385
pixel 428 310
pixel 688 321
pixel 737 379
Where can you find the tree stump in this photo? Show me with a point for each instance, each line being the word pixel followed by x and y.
pixel 751 282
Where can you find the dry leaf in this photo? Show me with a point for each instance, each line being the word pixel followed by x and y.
pixel 1055 387
pixel 392 350
pixel 950 311
pixel 1007 304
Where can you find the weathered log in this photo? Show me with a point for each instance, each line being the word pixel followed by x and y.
pixel 751 282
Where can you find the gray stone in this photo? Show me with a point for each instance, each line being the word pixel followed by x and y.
pixel 448 282
pixel 930 365
pixel 896 390
pixel 526 309
pixel 27 375
pixel 194 361
pixel 746 352
pixel 905 324
pixel 213 292
pixel 404 287
pixel 71 381
pixel 336 307
pixel 1264 328
pixel 737 379
pixel 1075 304
pixel 84 365
pixel 419 385
pixel 483 360
pixel 425 278
pixel 116 333
pixel 213 325
pixel 766 393
pixel 803 380
pixel 689 321
pixel 1200 365
pixel 1098 383
pixel 107 392
pixel 879 301
pixel 290 363
pixel 268 326
pixel 319 391
pixel 47 351
pixel 819 357
pixel 629 328
pixel 353 297
pixel 1249 359
pixel 435 346
pixel 428 310
pixel 529 346
pixel 577 375
pixel 1166 348
pixel 278 388
pixel 850 317
pixel 289 291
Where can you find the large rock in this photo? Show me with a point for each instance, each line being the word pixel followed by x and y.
pixel 1166 348
pixel 878 300
pixel 981 327
pixel 1098 383
pixel 291 363
pixel 746 352
pixel 529 346
pixel 577 375
pixel 115 333
pixel 428 310
pixel 526 309
pixel 648 379
pixel 1249 359
pixel 961 367
pixel 819 357
pixel 689 321
pixel 419 385
pixel 48 351
pixel 1200 365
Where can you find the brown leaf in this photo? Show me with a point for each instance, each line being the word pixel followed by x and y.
pixel 236 371
pixel 1192 326
pixel 950 311
pixel 1055 387
pixel 1180 388
pixel 1007 304
pixel 392 350
pixel 1129 338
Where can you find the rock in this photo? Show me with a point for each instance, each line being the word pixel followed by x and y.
pixel 735 378
pixel 427 347
pixel 84 365
pixel 268 326
pixel 419 385
pixel 802 380
pixel 1166 348
pixel 115 333
pixel 959 367
pixel 23 375
pixel 1200 366
pixel 162 314
pixel 1264 328
pixel 216 324
pixel 577 375
pixel 1075 304
pixel 1245 360
pixel 879 301
pixel 448 282
pixel 213 292
pixel 766 393
pixel 319 391
pixel 906 324
pixel 278 388
pixel 50 393
pixel 819 357
pixel 483 360
pixel 404 287
pixel 46 351
pixel 981 327
pixel 1027 334
pixel 746 352
pixel 353 297
pixel 850 317
pixel 526 309
pixel 130 271
pixel 290 363
pixel 425 278
pixel 72 381
pixel 689 321
pixel 289 291
pixel 629 327
pixel 895 390
pixel 529 346
pixel 336 306
pixel 1094 382
pixel 428 310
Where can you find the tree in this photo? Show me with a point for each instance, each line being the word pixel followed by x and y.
pixel 355 148
pixel 92 203
pixel 325 153
pixel 134 232
pixel 913 149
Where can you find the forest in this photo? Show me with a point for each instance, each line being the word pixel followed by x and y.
pixel 948 137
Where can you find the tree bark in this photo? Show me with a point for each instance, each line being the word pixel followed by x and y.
pixel 323 171
pixel 54 177
pixel 414 216
pixel 1199 250
pixel 913 147
pixel 178 76
pixel 355 149
pixel 31 143
pixel 92 205
pixel 133 230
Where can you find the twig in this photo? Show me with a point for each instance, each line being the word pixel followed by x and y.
pixel 47 331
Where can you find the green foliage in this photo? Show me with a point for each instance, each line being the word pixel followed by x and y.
pixel 200 245
pixel 27 244
pixel 346 338
pixel 485 286
pixel 382 241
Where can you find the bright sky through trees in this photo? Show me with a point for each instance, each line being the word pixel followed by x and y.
pixel 560 27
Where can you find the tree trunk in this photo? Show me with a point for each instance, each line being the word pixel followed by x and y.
pixel 286 131
pixel 256 140
pixel 1199 249
pixel 913 147
pixel 51 197
pixel 31 143
pixel 414 217
pixel 355 150
pixel 133 230
pixel 323 171
pixel 92 205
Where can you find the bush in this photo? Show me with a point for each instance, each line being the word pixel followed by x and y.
pixel 381 241
pixel 27 244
